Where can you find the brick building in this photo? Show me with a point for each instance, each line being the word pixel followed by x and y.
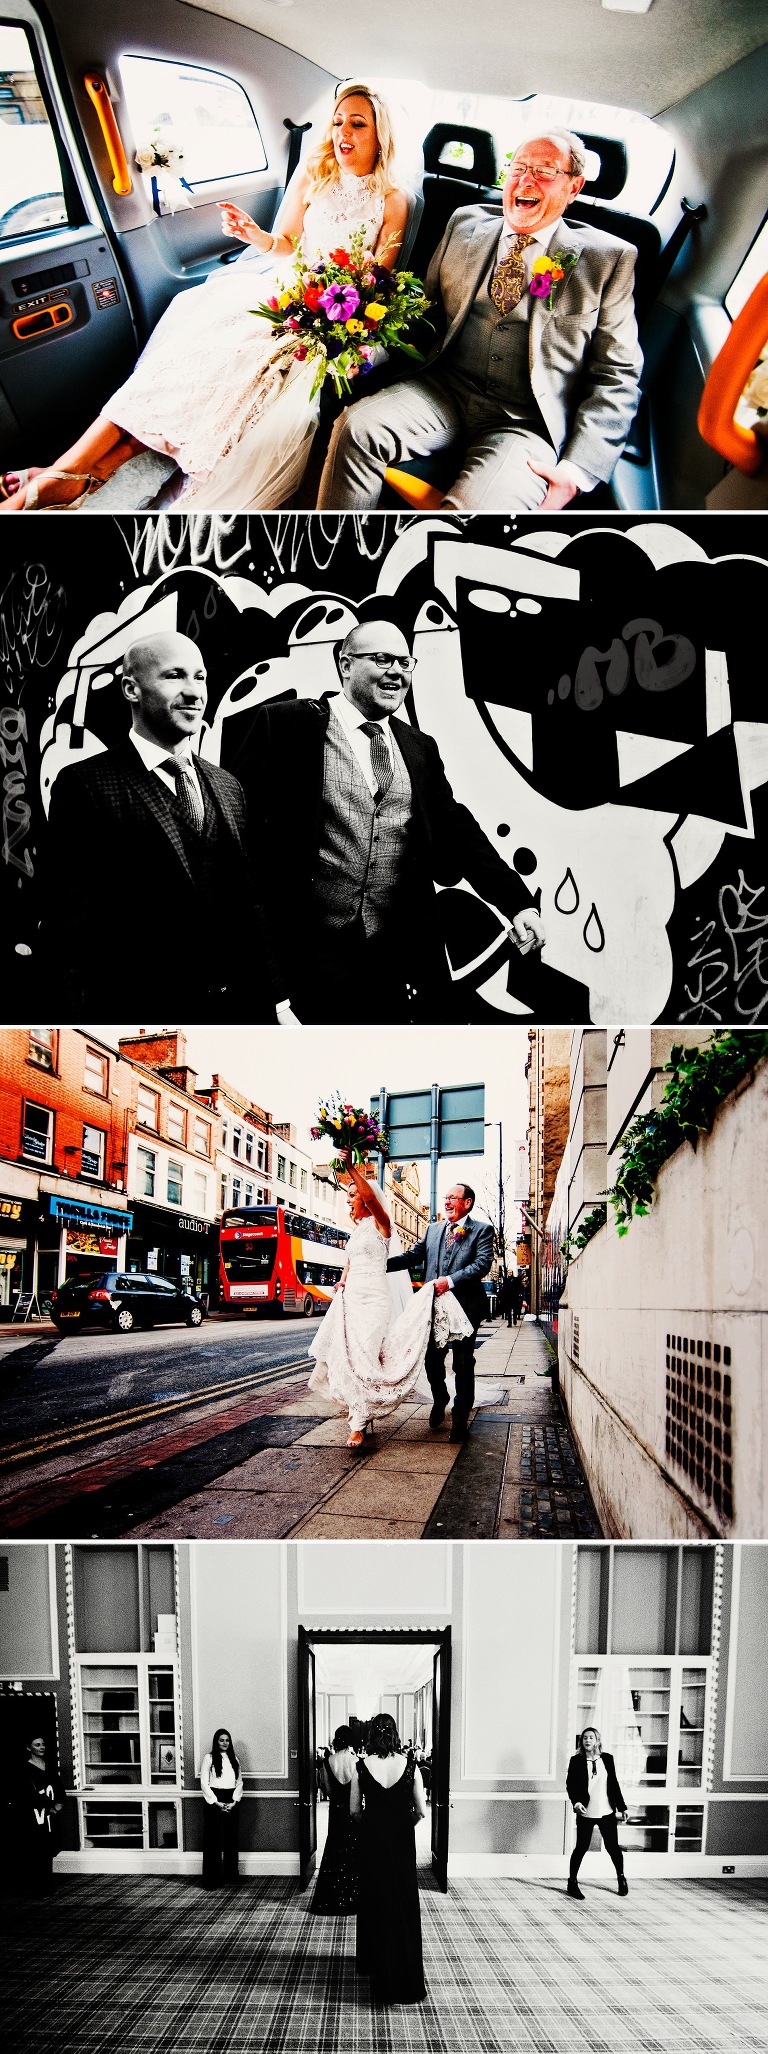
pixel 548 1074
pixel 173 1142
pixel 65 1108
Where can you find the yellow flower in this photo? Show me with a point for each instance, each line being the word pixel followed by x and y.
pixel 284 298
pixel 542 264
pixel 375 311
pixel 355 327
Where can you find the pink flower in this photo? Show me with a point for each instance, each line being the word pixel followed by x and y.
pixel 274 303
pixel 298 358
pixel 541 284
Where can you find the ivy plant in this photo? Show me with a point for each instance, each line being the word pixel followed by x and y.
pixel 698 1081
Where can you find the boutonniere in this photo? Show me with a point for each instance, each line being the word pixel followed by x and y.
pixel 460 1231
pixel 548 272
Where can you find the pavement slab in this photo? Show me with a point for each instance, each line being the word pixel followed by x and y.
pixel 329 1526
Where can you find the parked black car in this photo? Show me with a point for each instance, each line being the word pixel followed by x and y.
pixel 123 1300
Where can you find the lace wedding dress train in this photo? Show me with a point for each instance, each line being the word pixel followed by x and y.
pixel 215 390
pixel 365 1356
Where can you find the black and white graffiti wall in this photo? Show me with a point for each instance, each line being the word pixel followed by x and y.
pixel 596 691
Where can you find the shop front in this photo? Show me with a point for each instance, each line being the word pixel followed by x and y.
pixel 77 1237
pixel 178 1245
pixel 18 1219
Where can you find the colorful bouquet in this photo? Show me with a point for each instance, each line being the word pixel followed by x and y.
pixel 548 272
pixel 339 310
pixel 348 1126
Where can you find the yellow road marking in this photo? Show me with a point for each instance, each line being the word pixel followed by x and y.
pixel 106 1423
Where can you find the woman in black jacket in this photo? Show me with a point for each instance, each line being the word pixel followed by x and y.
pixel 593 1788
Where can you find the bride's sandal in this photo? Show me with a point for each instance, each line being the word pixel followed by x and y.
pixel 39 497
pixel 356 1440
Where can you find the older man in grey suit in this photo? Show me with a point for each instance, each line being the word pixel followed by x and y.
pixel 535 382
pixel 458 1253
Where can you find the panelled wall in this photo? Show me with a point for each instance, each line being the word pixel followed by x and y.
pixel 141 1651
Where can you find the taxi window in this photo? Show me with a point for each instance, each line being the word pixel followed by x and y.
pixel 31 190
pixel 207 116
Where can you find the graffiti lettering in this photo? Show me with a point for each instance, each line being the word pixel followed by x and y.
pixel 652 674
pixel 17 813
pixel 216 542
pixel 731 956
pixel 31 623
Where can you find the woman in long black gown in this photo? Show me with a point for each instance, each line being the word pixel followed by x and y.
pixel 387 1797
pixel 336 1889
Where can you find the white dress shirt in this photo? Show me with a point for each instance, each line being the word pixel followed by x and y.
pixel 598 1806
pixel 228 1784
pixel 351 719
pixel 542 240
pixel 153 756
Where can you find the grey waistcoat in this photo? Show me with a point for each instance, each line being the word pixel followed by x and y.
pixel 362 854
pixel 490 355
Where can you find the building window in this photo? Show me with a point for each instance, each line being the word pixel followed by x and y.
pixel 304 1180
pixel 147 1107
pixel 207 110
pixel 237 1141
pixel 200 1189
pixel 37 1140
pixel 237 1187
pixel 224 1193
pixel 96 1072
pixel 225 1134
pixel 41 1048
pixel 94 1153
pixel 261 1154
pixel 249 1194
pixel 202 1137
pixel 281 1169
pixel 248 1145
pixel 175 1181
pixel 177 1123
pixel 292 1175
pixel 146 1163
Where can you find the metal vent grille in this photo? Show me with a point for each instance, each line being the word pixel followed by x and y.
pixel 699 1420
pixel 575 1338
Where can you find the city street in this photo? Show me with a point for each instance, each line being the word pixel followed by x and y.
pixel 210 1432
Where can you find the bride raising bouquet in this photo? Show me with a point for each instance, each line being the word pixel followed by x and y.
pixel 368 1354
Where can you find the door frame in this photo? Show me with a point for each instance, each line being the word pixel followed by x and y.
pixel 436 1637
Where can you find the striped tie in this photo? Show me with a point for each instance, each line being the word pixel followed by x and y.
pixel 381 761
pixel 508 282
pixel 190 802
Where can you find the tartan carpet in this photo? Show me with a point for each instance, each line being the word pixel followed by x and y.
pixel 154 1965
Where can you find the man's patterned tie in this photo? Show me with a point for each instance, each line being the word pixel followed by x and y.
pixel 190 802
pixel 508 281
pixel 381 762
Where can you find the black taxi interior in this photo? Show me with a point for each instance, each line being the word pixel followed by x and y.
pixel 671 97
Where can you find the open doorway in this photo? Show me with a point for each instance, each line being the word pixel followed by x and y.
pixel 344 1679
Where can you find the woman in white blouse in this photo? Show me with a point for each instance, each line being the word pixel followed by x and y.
pixel 593 1787
pixel 222 1787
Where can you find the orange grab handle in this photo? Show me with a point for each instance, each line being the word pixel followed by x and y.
pixel 726 382
pixel 97 93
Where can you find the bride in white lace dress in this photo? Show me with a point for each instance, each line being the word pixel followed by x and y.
pixel 368 1356
pixel 206 388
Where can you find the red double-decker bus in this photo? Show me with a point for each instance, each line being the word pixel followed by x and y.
pixel 272 1257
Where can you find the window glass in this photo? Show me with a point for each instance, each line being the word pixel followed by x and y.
pixel 177 1122
pixel 304 1180
pixel 96 1072
pixel 145 1169
pixel 281 1168
pixel 38 1132
pixel 208 116
pixel 31 192
pixel 200 1188
pixel 175 1178
pixel 92 1159
pixel 292 1174
pixel 40 1049
pixel 202 1137
pixel 147 1103
pixel 237 1189
pixel 237 1141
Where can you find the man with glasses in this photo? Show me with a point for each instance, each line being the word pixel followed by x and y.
pixel 533 388
pixel 374 826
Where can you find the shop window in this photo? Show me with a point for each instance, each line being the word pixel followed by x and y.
pixel 175 1183
pixel 41 1050
pixel 292 1175
pixel 200 1189
pixel 96 1072
pixel 147 1106
pixel 208 115
pixel 281 1169
pixel 202 1137
pixel 177 1123
pixel 94 1153
pixel 33 199
pixel 146 1168
pixel 37 1138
